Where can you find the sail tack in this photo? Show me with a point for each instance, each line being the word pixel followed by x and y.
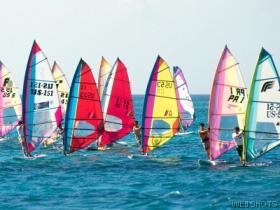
pixel 10 102
pixel 84 120
pixel 184 101
pixel 61 85
pixel 41 106
pixel 262 128
pixel 228 102
pixel 160 112
pixel 104 71
pixel 117 105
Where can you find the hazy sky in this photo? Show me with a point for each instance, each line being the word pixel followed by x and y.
pixel 187 33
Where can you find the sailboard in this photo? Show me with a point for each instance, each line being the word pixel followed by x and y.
pixel 104 72
pixel 262 127
pixel 10 102
pixel 117 103
pixel 160 119
pixel 84 120
pixel 227 108
pixel 184 100
pixel 61 85
pixel 41 108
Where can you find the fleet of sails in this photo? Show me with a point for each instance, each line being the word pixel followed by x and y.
pixel 104 111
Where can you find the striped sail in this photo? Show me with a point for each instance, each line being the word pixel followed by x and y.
pixel 10 102
pixel 104 71
pixel 117 103
pixel 184 101
pixel 160 119
pixel 263 112
pixel 41 106
pixel 228 102
pixel 61 85
pixel 84 121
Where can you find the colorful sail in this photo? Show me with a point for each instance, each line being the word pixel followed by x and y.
pixel 104 71
pixel 228 102
pixel 160 119
pixel 184 101
pixel 61 85
pixel 262 128
pixel 84 120
pixel 10 102
pixel 117 105
pixel 41 106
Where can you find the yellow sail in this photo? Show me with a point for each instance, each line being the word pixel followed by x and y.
pixel 160 113
pixel 104 71
pixel 62 86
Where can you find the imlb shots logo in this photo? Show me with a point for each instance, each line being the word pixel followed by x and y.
pixel 267 85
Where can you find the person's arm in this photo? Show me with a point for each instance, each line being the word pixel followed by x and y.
pixel 203 131
pixel 240 134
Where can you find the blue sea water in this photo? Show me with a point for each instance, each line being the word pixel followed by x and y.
pixel 110 180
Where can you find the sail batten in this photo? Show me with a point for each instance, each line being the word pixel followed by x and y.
pixel 227 106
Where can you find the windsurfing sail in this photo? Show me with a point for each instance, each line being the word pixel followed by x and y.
pixel 117 103
pixel 61 85
pixel 84 121
pixel 228 101
pixel 104 71
pixel 41 106
pixel 10 102
pixel 184 101
pixel 160 119
pixel 262 127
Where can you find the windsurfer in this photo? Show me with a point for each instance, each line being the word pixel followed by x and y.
pixel 238 138
pixel 204 135
pixel 137 132
pixel 21 137
pixel 55 136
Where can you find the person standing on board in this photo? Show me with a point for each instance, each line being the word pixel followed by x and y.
pixel 21 137
pixel 204 135
pixel 238 138
pixel 55 136
pixel 137 132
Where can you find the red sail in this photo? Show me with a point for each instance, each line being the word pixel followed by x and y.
pixel 117 105
pixel 84 120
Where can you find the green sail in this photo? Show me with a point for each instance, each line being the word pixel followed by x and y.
pixel 262 126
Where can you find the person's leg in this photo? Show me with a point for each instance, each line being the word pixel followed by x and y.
pixel 239 151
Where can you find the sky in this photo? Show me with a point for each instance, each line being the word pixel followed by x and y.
pixel 187 33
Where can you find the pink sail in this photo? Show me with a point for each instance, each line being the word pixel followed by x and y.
pixel 228 102
pixel 117 105
pixel 10 102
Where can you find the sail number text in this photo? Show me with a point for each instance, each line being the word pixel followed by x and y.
pixel 7 88
pixel 273 110
pixel 41 88
pixel 237 95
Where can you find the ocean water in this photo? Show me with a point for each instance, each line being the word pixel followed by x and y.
pixel 172 179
